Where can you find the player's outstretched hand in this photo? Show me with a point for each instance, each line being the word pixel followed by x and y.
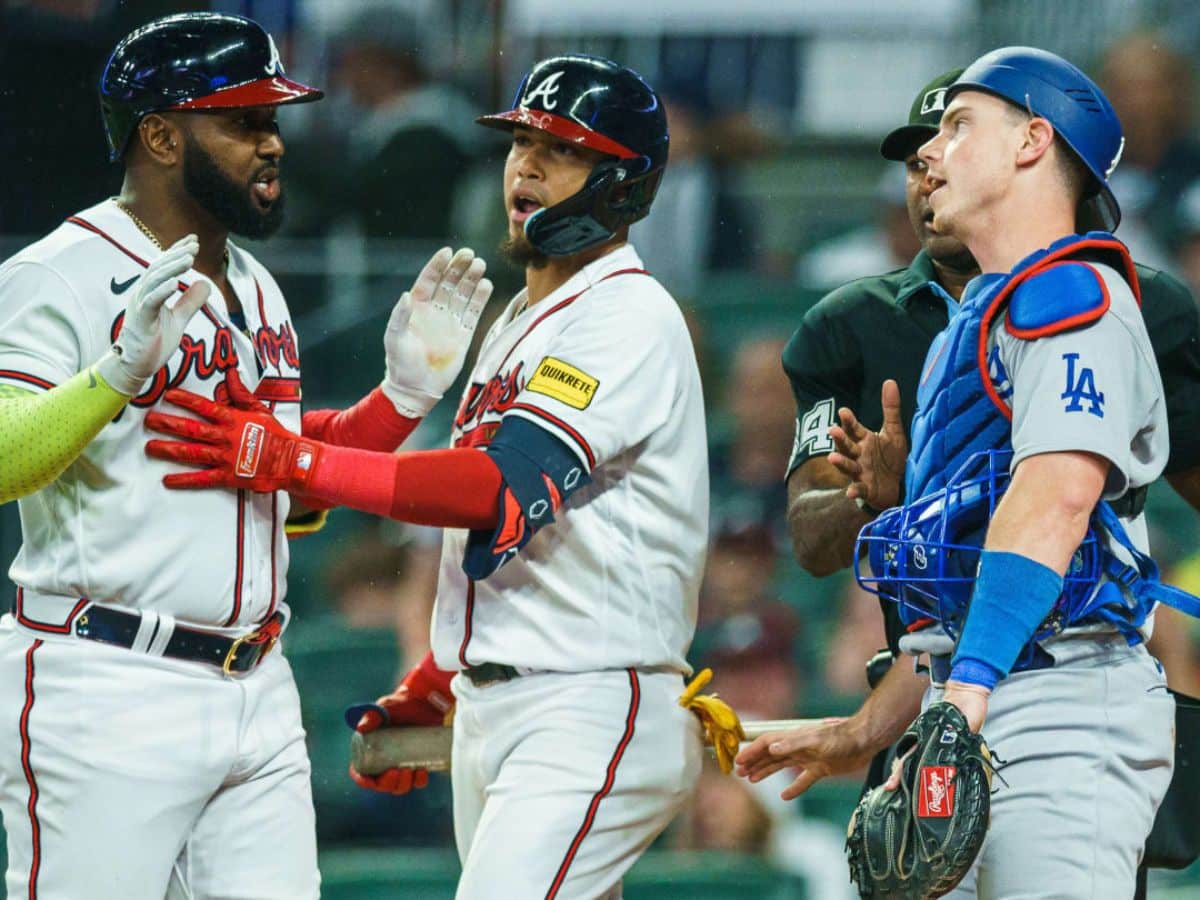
pixel 423 698
pixel 430 330
pixel 150 329
pixel 240 446
pixel 872 460
pixel 829 747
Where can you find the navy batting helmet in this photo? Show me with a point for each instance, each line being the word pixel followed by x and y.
pixel 1052 88
pixel 599 104
pixel 192 61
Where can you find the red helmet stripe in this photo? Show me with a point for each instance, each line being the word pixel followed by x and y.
pixel 560 126
pixel 263 92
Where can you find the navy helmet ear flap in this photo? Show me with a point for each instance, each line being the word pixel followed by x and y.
pixel 609 200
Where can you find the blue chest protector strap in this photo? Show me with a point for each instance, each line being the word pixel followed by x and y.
pixel 1131 591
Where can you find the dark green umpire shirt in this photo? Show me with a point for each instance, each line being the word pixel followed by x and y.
pixel 876 328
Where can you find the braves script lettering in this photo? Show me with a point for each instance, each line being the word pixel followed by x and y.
pixel 497 396
pixel 197 357
pixel 276 345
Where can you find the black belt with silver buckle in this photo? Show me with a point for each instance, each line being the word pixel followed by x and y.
pixel 489 673
pixel 230 655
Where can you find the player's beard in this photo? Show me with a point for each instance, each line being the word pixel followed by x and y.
pixel 228 202
pixel 518 251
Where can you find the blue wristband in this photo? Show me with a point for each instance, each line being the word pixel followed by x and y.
pixel 975 671
pixel 1013 594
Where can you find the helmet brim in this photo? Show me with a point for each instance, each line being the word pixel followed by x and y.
pixel 275 91
pixel 559 126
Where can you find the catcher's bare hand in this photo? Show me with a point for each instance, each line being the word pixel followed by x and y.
pixel 430 330
pixel 872 460
pixel 830 747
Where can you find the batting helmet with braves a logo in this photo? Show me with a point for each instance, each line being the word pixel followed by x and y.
pixel 192 61
pixel 599 104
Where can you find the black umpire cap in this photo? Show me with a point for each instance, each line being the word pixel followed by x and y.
pixel 923 119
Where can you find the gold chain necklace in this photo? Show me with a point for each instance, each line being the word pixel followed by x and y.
pixel 145 229
pixel 142 226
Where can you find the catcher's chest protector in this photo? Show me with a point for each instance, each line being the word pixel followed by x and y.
pixel 962 398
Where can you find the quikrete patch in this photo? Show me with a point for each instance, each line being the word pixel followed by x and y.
pixel 564 383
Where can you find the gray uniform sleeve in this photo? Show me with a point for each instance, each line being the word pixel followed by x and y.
pixel 1094 389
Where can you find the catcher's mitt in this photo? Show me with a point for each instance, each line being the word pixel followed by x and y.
pixel 919 840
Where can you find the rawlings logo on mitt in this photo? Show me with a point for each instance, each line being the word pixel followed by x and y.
pixel 918 841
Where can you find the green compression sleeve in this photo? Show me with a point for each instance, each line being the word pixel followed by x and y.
pixel 42 434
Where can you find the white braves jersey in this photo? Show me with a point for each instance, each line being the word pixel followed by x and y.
pixel 106 529
pixel 606 365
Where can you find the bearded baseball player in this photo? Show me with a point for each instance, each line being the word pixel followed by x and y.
pixel 575 499
pixel 152 743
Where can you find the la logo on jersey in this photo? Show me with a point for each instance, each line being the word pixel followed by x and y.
pixel 999 374
pixel 546 89
pixel 1081 388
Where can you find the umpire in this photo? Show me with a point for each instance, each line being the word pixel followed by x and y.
pixel 866 342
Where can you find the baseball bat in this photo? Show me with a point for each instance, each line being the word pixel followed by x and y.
pixel 429 747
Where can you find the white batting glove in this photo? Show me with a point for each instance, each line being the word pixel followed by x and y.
pixel 430 330
pixel 151 330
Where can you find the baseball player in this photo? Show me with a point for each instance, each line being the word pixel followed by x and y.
pixel 909 307
pixel 151 741
pixel 1046 356
pixel 575 499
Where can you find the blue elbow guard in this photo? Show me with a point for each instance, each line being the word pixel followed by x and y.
pixel 1013 594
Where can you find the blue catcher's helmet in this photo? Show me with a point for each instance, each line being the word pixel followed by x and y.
pixel 925 555
pixel 1050 87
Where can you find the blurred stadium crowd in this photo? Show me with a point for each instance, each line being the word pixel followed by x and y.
pixel 775 193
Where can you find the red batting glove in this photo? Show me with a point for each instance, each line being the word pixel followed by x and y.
pixel 423 698
pixel 240 445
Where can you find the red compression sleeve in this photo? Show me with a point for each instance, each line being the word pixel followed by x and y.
pixel 370 424
pixel 458 488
